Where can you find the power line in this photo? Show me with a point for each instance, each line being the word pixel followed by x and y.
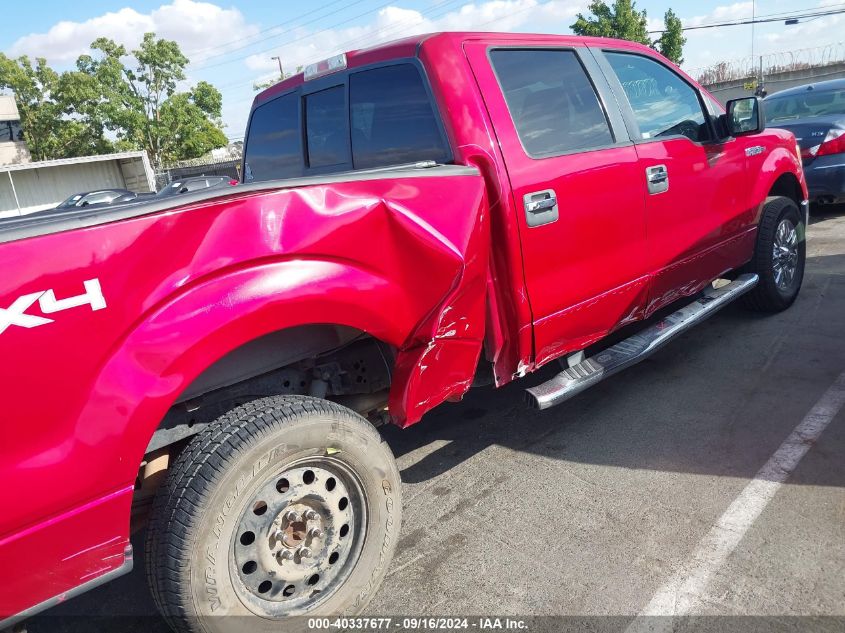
pixel 256 37
pixel 303 37
pixel 759 20
pixel 223 45
pixel 378 35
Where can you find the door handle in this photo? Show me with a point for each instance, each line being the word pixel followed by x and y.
pixel 657 178
pixel 533 206
pixel 540 207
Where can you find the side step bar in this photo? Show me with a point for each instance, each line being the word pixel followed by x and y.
pixel 587 373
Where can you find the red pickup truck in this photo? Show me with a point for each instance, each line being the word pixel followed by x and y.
pixel 415 218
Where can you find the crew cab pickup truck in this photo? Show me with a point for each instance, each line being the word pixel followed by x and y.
pixel 413 219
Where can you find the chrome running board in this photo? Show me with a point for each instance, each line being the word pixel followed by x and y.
pixel 635 348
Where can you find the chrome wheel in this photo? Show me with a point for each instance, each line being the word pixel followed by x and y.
pixel 785 254
pixel 298 538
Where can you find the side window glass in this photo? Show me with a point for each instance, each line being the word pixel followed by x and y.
pixel 392 118
pixel 326 127
pixel 553 105
pixel 196 185
pixel 97 198
pixel 272 145
pixel 663 103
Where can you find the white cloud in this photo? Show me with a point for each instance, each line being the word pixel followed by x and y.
pixel 724 13
pixel 808 41
pixel 811 33
pixel 203 30
pixel 196 26
pixel 305 46
pixel 393 22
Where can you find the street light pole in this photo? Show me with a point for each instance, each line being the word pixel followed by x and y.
pixel 281 72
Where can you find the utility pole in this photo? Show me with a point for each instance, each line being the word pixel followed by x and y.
pixel 753 20
pixel 759 89
pixel 281 72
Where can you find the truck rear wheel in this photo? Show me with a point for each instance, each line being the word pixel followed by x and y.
pixel 284 506
pixel 779 257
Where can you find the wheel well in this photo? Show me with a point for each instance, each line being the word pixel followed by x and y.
pixel 787 185
pixel 323 360
pixel 328 361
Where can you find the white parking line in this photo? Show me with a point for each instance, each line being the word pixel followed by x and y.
pixel 680 595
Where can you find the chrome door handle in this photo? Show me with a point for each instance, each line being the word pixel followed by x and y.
pixel 540 207
pixel 657 178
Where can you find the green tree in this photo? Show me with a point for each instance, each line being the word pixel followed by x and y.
pixel 624 21
pixel 672 40
pixel 54 109
pixel 104 104
pixel 142 107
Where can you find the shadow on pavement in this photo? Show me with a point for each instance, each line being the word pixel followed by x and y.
pixel 717 401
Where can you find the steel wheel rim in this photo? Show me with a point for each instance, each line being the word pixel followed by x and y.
pixel 314 504
pixel 785 254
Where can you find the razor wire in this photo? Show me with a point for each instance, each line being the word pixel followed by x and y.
pixel 772 63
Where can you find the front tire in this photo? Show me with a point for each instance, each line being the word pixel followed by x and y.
pixel 284 506
pixel 779 257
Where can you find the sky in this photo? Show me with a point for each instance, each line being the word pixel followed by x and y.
pixel 231 45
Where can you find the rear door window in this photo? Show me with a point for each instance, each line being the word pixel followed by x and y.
pixel 554 107
pixel 273 145
pixel 326 127
pixel 392 118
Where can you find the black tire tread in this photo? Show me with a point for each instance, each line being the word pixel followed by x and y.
pixel 193 475
pixel 765 297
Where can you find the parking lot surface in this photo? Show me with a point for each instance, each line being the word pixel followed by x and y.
pixel 592 507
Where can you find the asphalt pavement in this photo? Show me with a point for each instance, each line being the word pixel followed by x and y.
pixel 595 507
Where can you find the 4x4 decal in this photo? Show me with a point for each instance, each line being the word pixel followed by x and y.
pixel 16 313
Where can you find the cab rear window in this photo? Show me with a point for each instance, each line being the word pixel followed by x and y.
pixel 273 143
pixel 392 119
pixel 372 118
pixel 326 127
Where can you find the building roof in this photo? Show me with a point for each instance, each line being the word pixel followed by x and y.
pixel 8 109
pixel 71 161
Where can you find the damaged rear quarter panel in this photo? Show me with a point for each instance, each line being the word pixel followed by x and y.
pixel 402 256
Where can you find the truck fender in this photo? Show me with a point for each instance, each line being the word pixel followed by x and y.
pixel 165 352
pixel 779 166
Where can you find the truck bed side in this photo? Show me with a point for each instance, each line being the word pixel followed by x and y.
pixel 109 324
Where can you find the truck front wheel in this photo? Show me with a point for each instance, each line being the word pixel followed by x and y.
pixel 779 256
pixel 284 506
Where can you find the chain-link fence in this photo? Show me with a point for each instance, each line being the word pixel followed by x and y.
pixel 229 168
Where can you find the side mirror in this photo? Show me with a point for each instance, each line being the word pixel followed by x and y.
pixel 745 116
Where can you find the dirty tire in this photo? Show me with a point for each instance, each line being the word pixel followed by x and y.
pixel 769 295
pixel 206 533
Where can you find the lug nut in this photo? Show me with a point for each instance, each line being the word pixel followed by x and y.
pixel 285 555
pixel 310 515
pixel 278 535
pixel 315 532
pixel 291 516
pixel 304 552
